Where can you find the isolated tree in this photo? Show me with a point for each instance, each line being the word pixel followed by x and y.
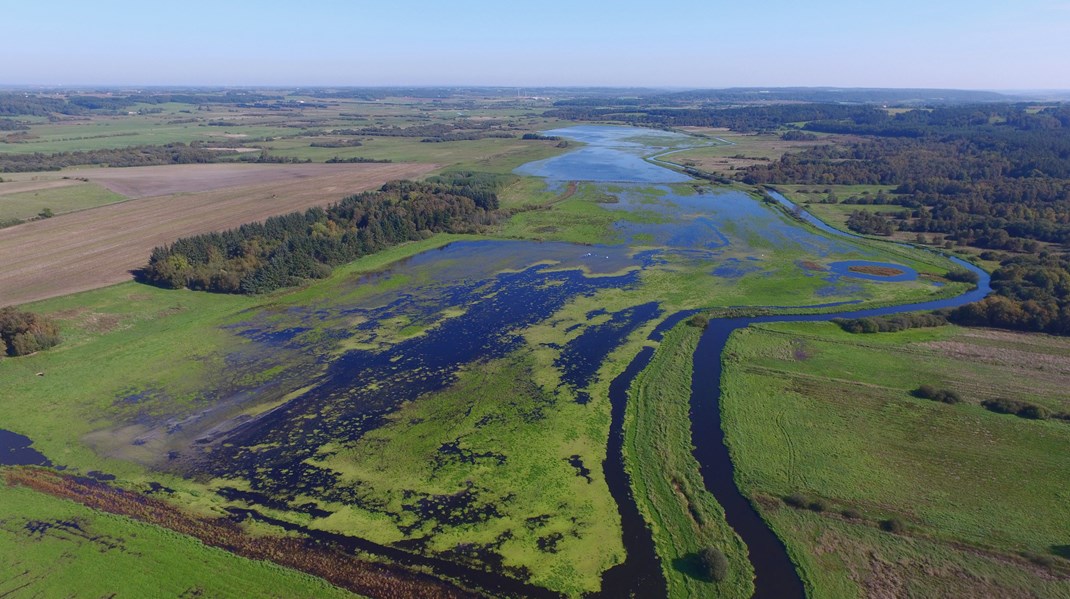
pixel 714 563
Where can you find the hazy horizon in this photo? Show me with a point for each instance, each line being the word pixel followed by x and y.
pixel 475 43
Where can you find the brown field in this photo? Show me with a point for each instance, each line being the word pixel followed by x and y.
pixel 99 247
pixel 11 187
pixel 149 181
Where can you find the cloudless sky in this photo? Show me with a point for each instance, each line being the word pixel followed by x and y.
pixel 978 44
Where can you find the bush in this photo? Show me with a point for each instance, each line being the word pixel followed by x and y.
pixel 818 505
pixel 699 320
pixel 852 514
pixel 714 563
pixel 23 333
pixel 961 275
pixel 797 500
pixel 1022 409
pixel 893 525
pixel 942 395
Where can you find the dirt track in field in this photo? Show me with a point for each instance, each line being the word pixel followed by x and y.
pixel 99 247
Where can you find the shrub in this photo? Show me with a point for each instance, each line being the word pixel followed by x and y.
pixel 797 500
pixel 893 525
pixel 699 320
pixel 23 333
pixel 714 563
pixel 942 395
pixel 852 514
pixel 1018 408
pixel 818 505
pixel 962 275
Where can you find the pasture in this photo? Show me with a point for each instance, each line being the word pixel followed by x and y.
pixel 814 413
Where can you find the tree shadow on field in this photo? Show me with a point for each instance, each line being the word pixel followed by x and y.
pixel 691 565
pixel 1062 551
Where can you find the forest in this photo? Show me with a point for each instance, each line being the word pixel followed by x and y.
pixel 285 250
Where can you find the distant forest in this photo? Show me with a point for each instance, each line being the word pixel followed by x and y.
pixel 286 250
pixel 994 176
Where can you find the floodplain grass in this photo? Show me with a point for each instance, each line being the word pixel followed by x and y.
pixel 813 410
pixel 52 547
pixel 684 517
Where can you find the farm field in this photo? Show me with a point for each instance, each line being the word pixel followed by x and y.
pixel 818 417
pixel 97 247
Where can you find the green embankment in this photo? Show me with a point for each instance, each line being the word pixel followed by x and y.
pixel 57 548
pixel 668 488
pixel 811 410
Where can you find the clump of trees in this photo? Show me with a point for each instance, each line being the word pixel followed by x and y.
pixel 286 250
pixel 23 333
pixel 891 323
pixel 870 223
pixel 942 395
pixel 714 563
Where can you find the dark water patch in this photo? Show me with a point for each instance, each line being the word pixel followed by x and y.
pixel 583 356
pixel 155 488
pixel 253 498
pixel 487 556
pixel 101 476
pixel 452 453
pixel 639 575
pixel 456 509
pixel 361 387
pixel 582 471
pixel 16 450
pixel 548 543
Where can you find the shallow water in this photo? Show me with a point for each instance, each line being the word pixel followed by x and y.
pixel 16 450
pixel 612 154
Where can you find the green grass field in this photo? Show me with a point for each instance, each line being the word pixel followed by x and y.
pixel 27 204
pixel 812 410
pixel 57 548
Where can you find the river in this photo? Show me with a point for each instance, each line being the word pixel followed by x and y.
pixel 775 574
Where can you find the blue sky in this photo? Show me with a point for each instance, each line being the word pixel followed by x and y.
pixel 1022 44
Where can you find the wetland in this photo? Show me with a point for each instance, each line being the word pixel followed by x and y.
pixel 462 401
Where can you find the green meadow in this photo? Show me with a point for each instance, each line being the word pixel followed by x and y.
pixel 978 498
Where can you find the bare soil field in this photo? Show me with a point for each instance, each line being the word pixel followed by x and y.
pixel 99 247
pixel 149 181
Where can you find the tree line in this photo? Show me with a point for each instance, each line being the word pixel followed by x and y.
pixel 287 250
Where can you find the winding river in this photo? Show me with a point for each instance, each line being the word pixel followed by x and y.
pixel 775 574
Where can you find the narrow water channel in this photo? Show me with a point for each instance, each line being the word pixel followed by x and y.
pixel 775 574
